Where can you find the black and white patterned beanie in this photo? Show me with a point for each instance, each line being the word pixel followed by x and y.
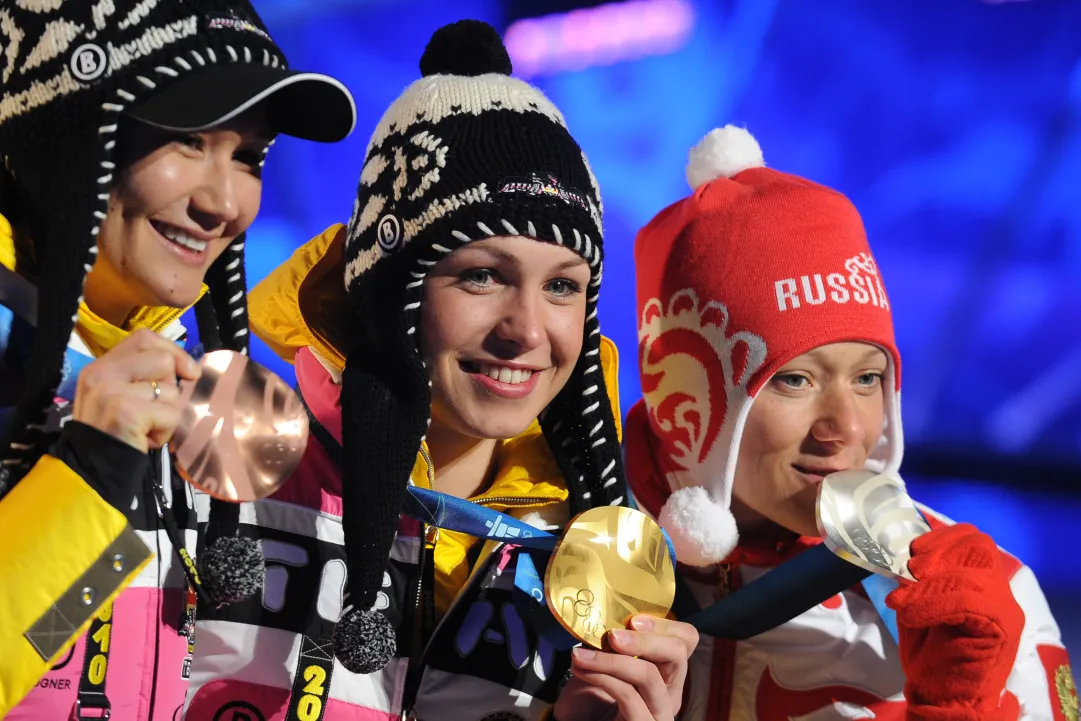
pixel 70 75
pixel 465 153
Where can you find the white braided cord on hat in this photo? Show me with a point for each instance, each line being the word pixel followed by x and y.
pixel 591 350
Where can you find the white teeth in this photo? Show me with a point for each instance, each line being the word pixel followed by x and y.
pixel 179 237
pixel 505 375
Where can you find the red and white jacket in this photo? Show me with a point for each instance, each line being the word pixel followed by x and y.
pixel 838 660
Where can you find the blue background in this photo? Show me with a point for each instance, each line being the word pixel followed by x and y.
pixel 954 126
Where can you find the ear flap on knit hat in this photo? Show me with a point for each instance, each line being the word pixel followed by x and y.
pixel 231 567
pixel 579 425
pixel 701 526
pixel 27 436
pixel 385 416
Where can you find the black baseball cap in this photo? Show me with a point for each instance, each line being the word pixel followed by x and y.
pixel 311 106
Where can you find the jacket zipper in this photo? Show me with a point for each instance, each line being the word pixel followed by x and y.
pixel 514 501
pixel 167 320
pixel 156 469
pixel 508 501
pixel 721 589
pixel 428 467
pixel 723 663
pixel 423 612
pixel 424 598
pixel 409 697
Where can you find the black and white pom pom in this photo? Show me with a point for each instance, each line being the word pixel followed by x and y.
pixel 232 569
pixel 364 641
pixel 467 47
pixel 723 153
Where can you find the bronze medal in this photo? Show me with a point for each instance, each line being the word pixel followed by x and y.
pixel 242 430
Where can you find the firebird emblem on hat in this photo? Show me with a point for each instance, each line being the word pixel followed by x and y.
pixel 868 519
pixel 242 430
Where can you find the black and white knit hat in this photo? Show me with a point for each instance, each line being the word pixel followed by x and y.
pixel 72 74
pixel 465 153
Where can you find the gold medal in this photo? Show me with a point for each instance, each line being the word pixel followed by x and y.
pixel 612 563
pixel 242 430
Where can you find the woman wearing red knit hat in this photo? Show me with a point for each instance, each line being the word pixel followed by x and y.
pixel 768 362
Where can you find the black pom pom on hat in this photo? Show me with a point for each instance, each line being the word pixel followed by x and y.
pixel 232 569
pixel 364 641
pixel 468 48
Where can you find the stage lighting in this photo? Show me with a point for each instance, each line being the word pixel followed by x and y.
pixel 598 35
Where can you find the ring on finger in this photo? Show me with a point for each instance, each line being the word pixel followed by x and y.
pixel 157 391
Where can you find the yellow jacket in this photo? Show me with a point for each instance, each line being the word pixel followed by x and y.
pixel 60 537
pixel 298 305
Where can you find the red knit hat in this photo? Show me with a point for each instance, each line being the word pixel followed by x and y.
pixel 755 268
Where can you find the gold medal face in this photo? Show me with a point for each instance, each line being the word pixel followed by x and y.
pixel 611 564
pixel 242 430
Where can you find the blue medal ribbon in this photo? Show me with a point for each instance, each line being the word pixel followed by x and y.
pixel 785 592
pixel 455 514
pixel 877 588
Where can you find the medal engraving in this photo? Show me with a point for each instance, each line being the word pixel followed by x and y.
pixel 611 564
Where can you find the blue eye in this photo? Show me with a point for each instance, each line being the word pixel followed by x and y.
pixel 479 277
pixel 791 380
pixel 870 379
pixel 563 287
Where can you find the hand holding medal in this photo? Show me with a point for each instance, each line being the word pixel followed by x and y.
pixel 236 430
pixel 609 585
pixel 941 591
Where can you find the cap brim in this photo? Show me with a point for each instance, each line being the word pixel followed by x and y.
pixel 305 105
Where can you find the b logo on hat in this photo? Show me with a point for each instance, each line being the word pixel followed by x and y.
pixel 388 233
pixel 88 62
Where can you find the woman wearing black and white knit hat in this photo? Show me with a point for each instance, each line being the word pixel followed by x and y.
pixel 133 136
pixel 463 356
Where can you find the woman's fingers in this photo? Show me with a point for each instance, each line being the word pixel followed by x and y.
pixel 132 418
pixel 131 392
pixel 634 683
pixel 685 632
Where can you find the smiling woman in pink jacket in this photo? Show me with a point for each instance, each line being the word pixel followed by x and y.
pixel 133 136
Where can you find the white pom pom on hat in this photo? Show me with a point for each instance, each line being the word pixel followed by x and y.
pixel 702 530
pixel 723 153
